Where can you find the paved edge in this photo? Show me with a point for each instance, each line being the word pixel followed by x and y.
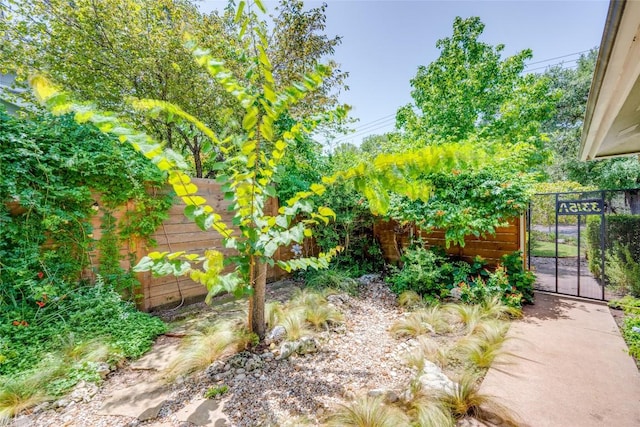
pixel 570 367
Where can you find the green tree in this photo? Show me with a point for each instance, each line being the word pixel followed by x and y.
pixel 565 132
pixel 255 153
pixel 469 90
pixel 110 50
pixel 564 127
pixel 471 94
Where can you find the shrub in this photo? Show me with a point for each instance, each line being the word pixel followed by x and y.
pixel 497 285
pixel 622 271
pixel 628 303
pixel 421 272
pixel 621 229
pixel 352 229
pixel 519 278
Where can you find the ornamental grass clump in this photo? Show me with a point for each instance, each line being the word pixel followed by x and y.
pixel 429 412
pixel 306 308
pixel 484 347
pixel 428 349
pixel 409 299
pixel 465 400
pixel 432 319
pixel 368 412
pixel 20 393
pixel 202 348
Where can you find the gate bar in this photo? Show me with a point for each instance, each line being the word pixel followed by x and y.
pixel 602 244
pixel 579 218
pixel 556 239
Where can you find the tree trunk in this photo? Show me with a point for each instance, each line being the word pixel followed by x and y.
pixel 197 159
pixel 256 301
pixel 633 198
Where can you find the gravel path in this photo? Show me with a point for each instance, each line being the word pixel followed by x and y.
pixel 353 360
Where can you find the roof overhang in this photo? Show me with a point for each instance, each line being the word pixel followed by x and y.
pixel 612 118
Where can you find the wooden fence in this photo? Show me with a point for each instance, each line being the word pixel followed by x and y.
pixel 178 233
pixel 393 238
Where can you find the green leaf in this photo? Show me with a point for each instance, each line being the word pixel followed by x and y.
pixel 250 119
pixel 241 6
pixel 260 6
pixel 189 211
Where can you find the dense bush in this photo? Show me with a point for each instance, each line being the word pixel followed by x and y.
pixel 466 203
pixel 50 167
pixel 423 271
pixel 433 275
pixel 352 230
pixel 622 245
pixel 623 272
pixel 631 336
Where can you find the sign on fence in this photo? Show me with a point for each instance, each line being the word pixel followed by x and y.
pixel 580 207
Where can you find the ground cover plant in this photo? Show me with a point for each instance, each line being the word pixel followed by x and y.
pixel 80 335
pixel 631 323
pixel 56 330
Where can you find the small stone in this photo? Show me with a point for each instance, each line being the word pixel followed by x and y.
pixel 41 408
pixel 319 412
pixel 227 367
pixel 240 377
pixel 62 403
pixel 240 371
pixel 103 370
pixel 391 397
pixel 376 392
pixel 267 355
pixel 257 374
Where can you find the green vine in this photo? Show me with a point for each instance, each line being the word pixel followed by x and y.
pixel 52 171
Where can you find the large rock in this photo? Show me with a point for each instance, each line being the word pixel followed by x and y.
pixel 433 378
pixel 304 345
pixel 277 334
pixel 204 412
pixel 142 401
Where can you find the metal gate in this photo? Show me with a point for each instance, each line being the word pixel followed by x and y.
pixel 567 240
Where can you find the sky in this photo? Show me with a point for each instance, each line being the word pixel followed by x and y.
pixel 384 42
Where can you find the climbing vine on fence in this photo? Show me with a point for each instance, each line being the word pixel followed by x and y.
pixel 52 169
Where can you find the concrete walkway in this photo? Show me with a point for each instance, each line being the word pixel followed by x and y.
pixel 570 368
